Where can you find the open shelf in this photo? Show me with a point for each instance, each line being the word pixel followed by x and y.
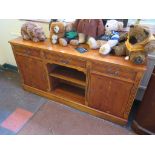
pixel 69 74
pixel 69 92
pixel 67 83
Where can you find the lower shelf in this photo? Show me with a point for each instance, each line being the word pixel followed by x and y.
pixel 70 93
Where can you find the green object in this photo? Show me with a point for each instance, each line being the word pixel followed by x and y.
pixel 71 35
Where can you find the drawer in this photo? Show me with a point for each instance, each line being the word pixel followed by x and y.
pixel 65 60
pixel 27 51
pixel 114 70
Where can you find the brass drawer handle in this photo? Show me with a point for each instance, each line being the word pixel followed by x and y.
pixel 113 73
pixel 65 61
pixel 116 73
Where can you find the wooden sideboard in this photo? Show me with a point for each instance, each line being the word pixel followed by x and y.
pixel 104 86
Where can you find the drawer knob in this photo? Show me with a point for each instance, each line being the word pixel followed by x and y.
pixel 112 72
pixel 116 73
pixel 65 61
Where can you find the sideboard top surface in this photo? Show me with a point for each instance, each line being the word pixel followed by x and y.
pixel 92 55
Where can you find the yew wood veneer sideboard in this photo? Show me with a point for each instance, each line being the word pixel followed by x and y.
pixel 104 86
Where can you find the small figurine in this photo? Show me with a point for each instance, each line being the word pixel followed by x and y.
pixel 112 36
pixel 140 41
pixel 32 31
pixel 61 33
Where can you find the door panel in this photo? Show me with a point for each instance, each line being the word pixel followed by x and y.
pixel 33 72
pixel 108 94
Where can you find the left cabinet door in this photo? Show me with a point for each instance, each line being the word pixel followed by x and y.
pixel 33 72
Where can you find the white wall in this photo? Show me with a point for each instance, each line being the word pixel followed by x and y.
pixel 9 29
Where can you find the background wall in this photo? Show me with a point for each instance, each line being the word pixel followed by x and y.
pixel 9 29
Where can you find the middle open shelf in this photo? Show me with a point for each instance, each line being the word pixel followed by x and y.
pixel 67 83
pixel 68 74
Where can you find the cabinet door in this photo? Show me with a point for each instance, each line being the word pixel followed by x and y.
pixel 33 72
pixel 108 94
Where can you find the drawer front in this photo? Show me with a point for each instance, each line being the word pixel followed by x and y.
pixel 113 70
pixel 65 60
pixel 27 51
